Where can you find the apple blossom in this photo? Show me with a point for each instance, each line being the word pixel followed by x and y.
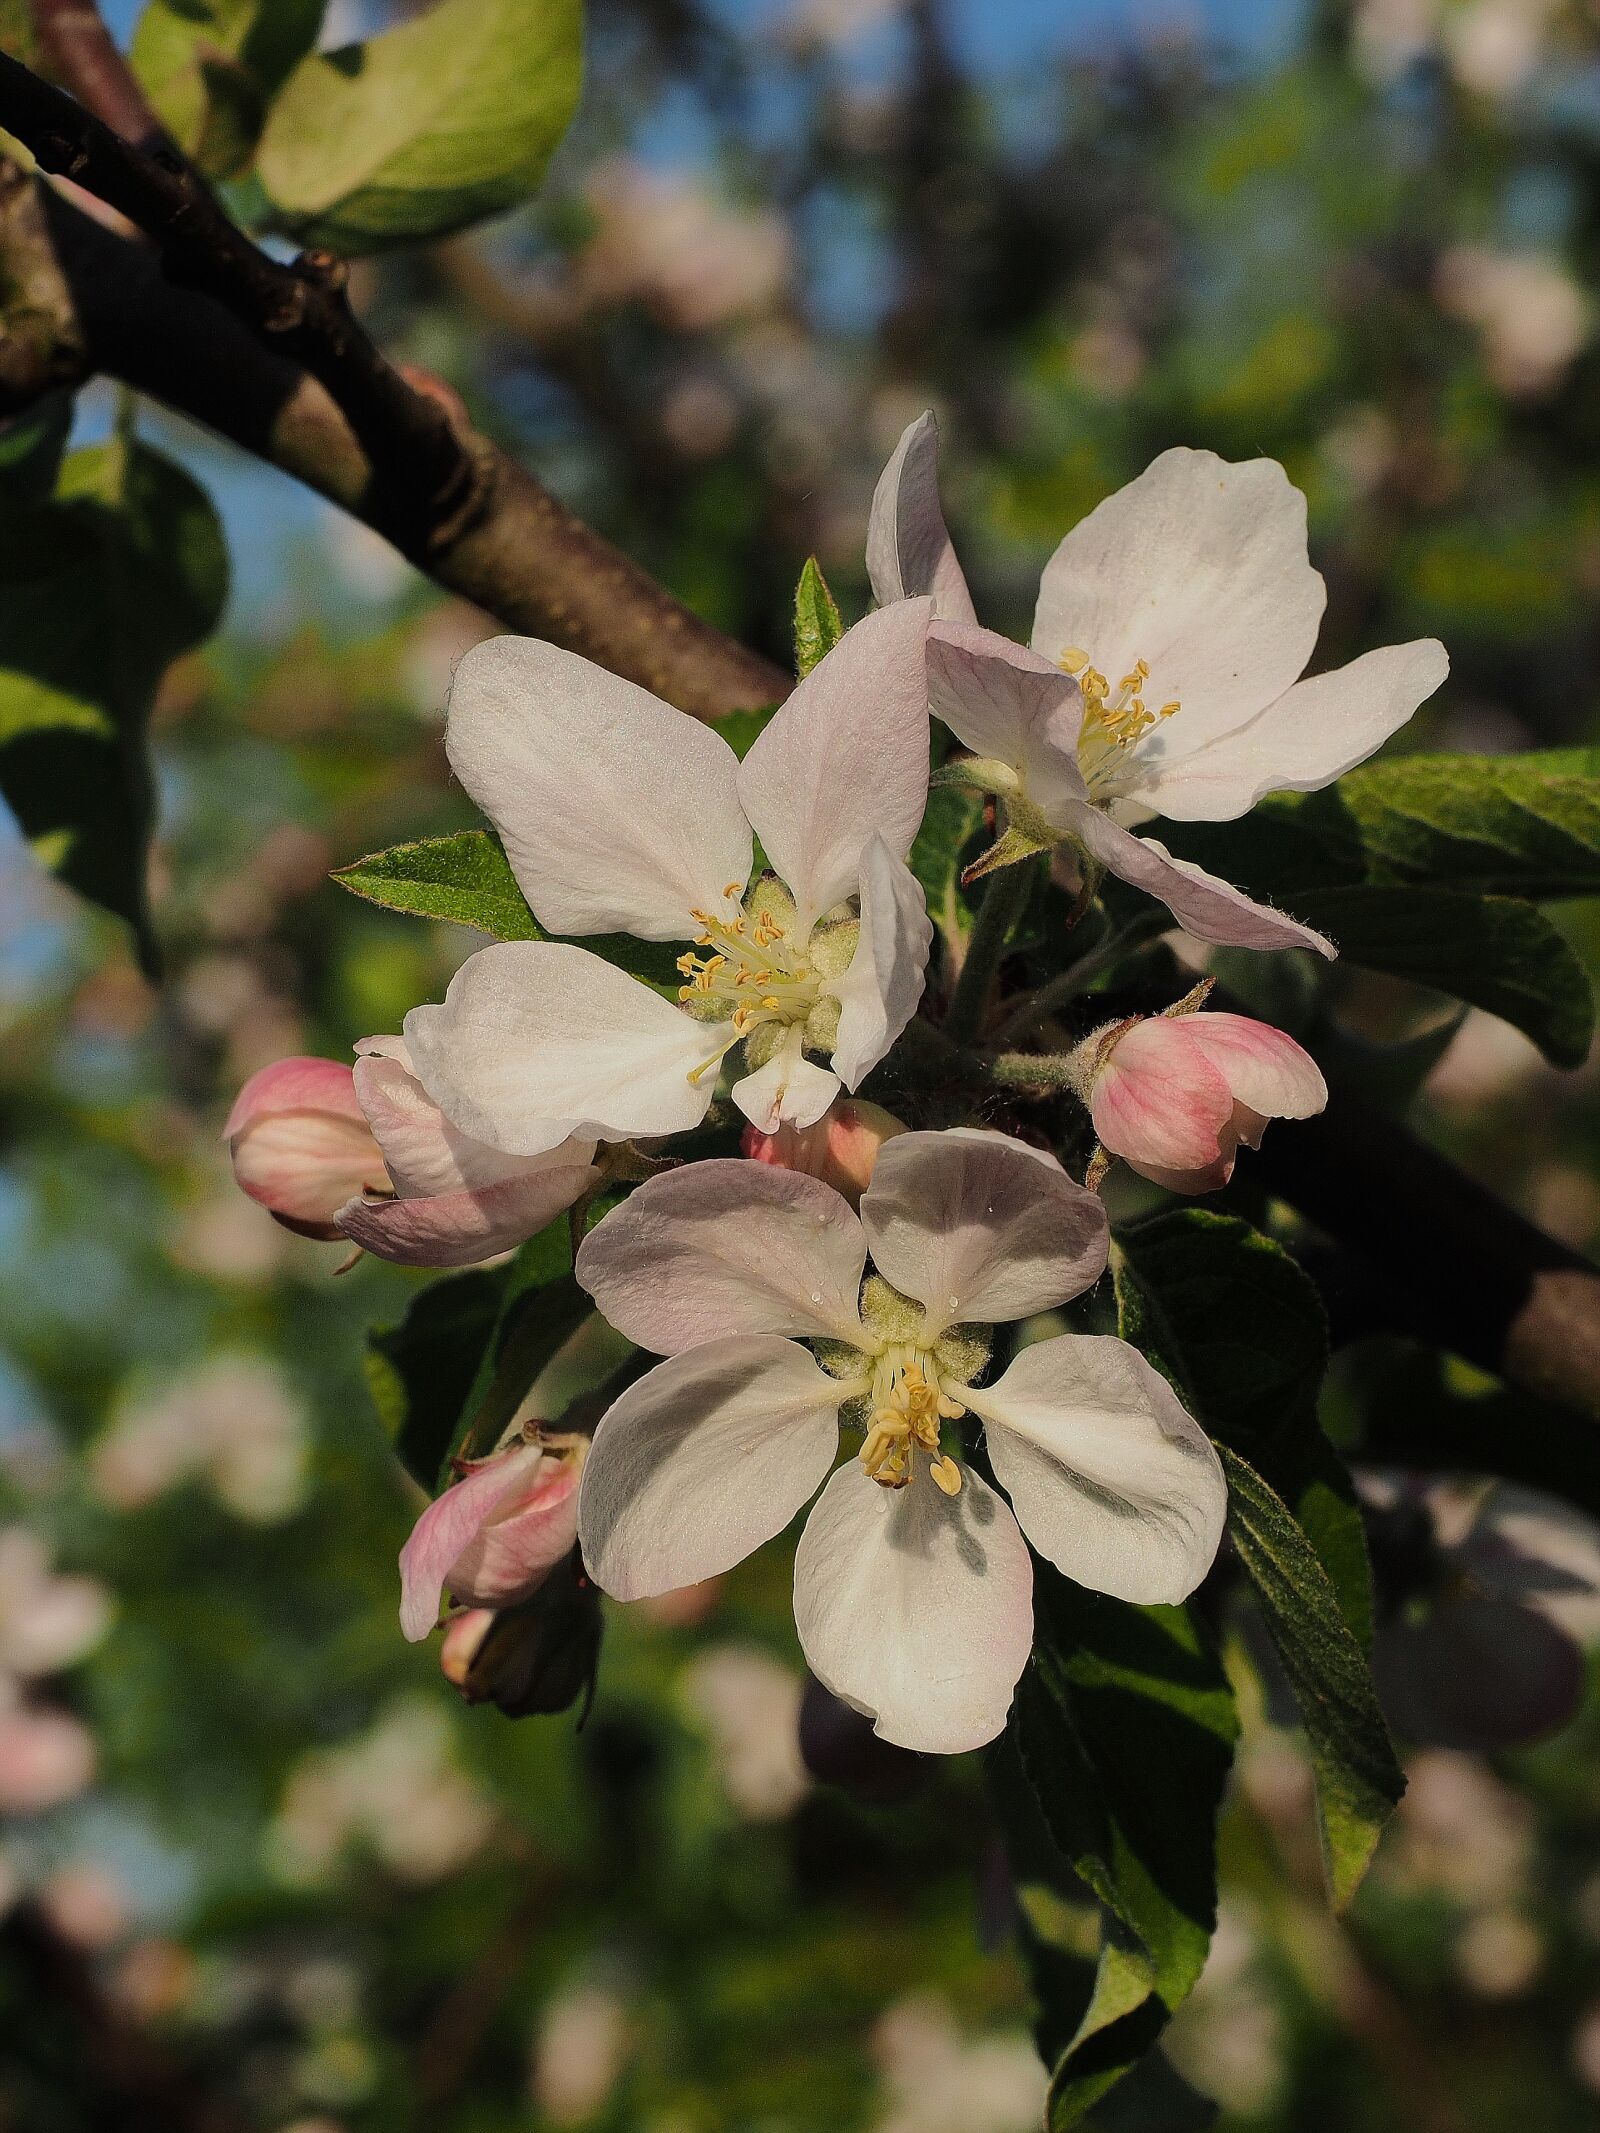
pixel 619 812
pixel 493 1537
pixel 1173 1095
pixel 364 1154
pixel 841 1148
pixel 1172 629
pixel 913 1583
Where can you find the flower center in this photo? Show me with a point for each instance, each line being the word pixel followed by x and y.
pixel 754 972
pixel 910 1401
pixel 1114 721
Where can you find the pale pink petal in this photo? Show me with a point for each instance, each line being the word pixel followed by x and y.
pixel 1206 908
pixel 908 549
pixel 448 1526
pixel 725 1247
pixel 879 992
pixel 1199 568
pixel 1267 1072
pixel 1010 705
pixel 1309 736
pixel 1112 1479
pixel 521 1541
pixel 298 1084
pixel 915 1608
pixel 617 812
pixel 460 1228
pixel 707 1456
pixel 975 1225
pixel 426 1155
pixel 841 1148
pixel 536 1043
pixel 844 759
pixel 1159 1102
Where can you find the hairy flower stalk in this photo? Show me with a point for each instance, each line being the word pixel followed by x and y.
pixel 1164 677
pixel 912 1578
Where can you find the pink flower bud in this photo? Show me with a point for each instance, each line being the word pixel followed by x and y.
pixel 841 1148
pixel 300 1144
pixel 493 1537
pixel 1175 1095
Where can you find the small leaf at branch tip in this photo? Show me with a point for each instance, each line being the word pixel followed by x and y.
pixel 353 1259
pixel 1193 1000
pixel 818 625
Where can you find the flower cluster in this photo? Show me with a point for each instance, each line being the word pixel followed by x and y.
pixel 845 1272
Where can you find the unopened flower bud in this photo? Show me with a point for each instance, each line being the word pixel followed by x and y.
pixel 539 1657
pixel 301 1145
pixel 1173 1096
pixel 841 1148
pixel 494 1537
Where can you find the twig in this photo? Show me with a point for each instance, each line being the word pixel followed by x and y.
pixel 1004 900
pixel 80 51
pixel 301 309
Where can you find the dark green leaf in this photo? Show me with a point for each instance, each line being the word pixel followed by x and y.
pixel 101 587
pixel 1420 867
pixel 426 128
pixel 1124 1727
pixel 1359 1780
pixel 468 879
pixel 742 729
pixel 1230 1319
pixel 421 1371
pixel 31 448
pixel 818 625
pixel 211 68
pixel 942 846
pixel 540 1305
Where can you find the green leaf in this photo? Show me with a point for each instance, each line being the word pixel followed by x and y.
pixel 211 68
pixel 101 587
pixel 953 818
pixel 818 625
pixel 1494 952
pixel 420 1371
pixel 1424 867
pixel 540 1305
pixel 1232 1322
pixel 742 729
pixel 1124 1729
pixel 1359 1780
pixel 468 880
pixel 426 128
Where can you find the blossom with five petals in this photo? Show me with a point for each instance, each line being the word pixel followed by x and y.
pixel 1174 1095
pixel 913 1582
pixel 1164 678
pixel 618 812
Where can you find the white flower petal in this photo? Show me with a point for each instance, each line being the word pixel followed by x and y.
pixel 1198 567
pixel 975 1225
pixel 879 992
pixel 1311 735
pixel 707 1456
pixel 909 550
pixel 1206 907
pixel 1003 701
pixel 539 1042
pixel 790 1090
pixel 618 813
pixel 845 757
pixel 1112 1479
pixel 726 1247
pixel 916 1608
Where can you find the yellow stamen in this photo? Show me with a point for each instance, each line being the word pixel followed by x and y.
pixel 946 1475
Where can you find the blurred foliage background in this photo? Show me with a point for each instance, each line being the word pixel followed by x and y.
pixel 260 1868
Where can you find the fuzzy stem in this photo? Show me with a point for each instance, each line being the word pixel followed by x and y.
pixel 1004 902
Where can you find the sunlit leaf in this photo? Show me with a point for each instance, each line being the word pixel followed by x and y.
pixel 426 128
pixel 818 625
pixel 211 67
